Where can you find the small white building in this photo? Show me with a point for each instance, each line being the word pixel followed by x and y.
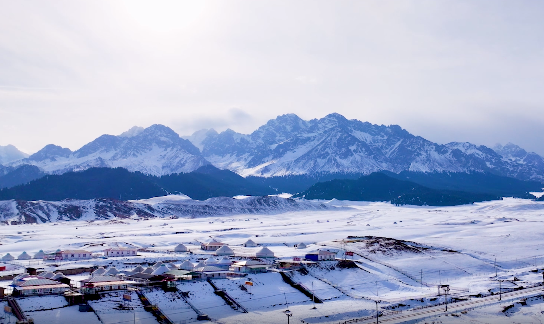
pixel 181 248
pixel 120 252
pixel 25 285
pixel 186 265
pixel 301 246
pixel 111 272
pixel 224 250
pixel 73 255
pixel 8 257
pixel 249 266
pixel 211 246
pixel 264 253
pixel 102 283
pixel 39 255
pixel 321 255
pixel 250 243
pixel 24 256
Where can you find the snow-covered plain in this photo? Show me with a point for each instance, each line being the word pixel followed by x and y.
pixel 463 246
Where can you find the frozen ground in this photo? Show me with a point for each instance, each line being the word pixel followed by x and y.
pixel 463 246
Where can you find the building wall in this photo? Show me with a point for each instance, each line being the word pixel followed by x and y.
pixel 114 253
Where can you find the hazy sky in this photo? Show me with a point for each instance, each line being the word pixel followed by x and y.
pixel 71 71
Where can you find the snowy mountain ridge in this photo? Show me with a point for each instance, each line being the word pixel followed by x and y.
pixel 289 145
pixel 28 212
pixel 156 150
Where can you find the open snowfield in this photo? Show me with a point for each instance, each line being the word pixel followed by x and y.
pixel 463 246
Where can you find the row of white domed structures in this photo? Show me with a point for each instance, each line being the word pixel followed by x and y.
pixel 24 256
pixel 219 248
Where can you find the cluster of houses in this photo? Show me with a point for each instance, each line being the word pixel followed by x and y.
pixel 216 266
pixel 222 265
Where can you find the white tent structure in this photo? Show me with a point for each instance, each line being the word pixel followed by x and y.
pixel 161 270
pixel 39 255
pixel 99 272
pixel 201 264
pixel 156 265
pixel 171 266
pixel 111 272
pixel 8 257
pixel 224 262
pixel 301 246
pixel 211 260
pixel 224 250
pixel 148 270
pixel 181 248
pixel 24 256
pixel 250 243
pixel 264 253
pixel 186 265
pixel 138 269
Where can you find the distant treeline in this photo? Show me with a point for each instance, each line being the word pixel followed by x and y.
pixel 414 188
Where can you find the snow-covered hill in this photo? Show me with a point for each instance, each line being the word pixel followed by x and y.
pixel 289 145
pixel 156 150
pixel 27 212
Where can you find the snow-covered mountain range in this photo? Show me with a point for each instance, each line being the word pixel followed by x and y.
pixel 287 145
pixel 156 150
pixel 28 212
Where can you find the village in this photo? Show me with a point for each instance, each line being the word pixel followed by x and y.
pixel 210 260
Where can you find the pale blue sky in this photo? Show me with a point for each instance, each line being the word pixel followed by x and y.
pixel 445 70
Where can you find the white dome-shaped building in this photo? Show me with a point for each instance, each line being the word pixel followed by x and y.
pixel 98 272
pixel 24 256
pixel 301 246
pixel 138 269
pixel 8 257
pixel 111 272
pixel 161 270
pixel 264 253
pixel 250 243
pixel 186 265
pixel 39 255
pixel 181 248
pixel 224 250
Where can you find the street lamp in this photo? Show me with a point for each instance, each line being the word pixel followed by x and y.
pixel 288 313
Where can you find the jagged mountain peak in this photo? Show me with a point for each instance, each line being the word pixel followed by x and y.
pixel 50 152
pixel 510 150
pixel 288 145
pixel 132 132
pixel 156 150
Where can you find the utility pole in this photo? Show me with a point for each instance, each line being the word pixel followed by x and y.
pixel 377 312
pixel 447 290
pixel 421 277
pixel 495 266
pixel 500 289
pixel 313 295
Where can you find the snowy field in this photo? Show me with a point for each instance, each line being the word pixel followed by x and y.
pixel 463 246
